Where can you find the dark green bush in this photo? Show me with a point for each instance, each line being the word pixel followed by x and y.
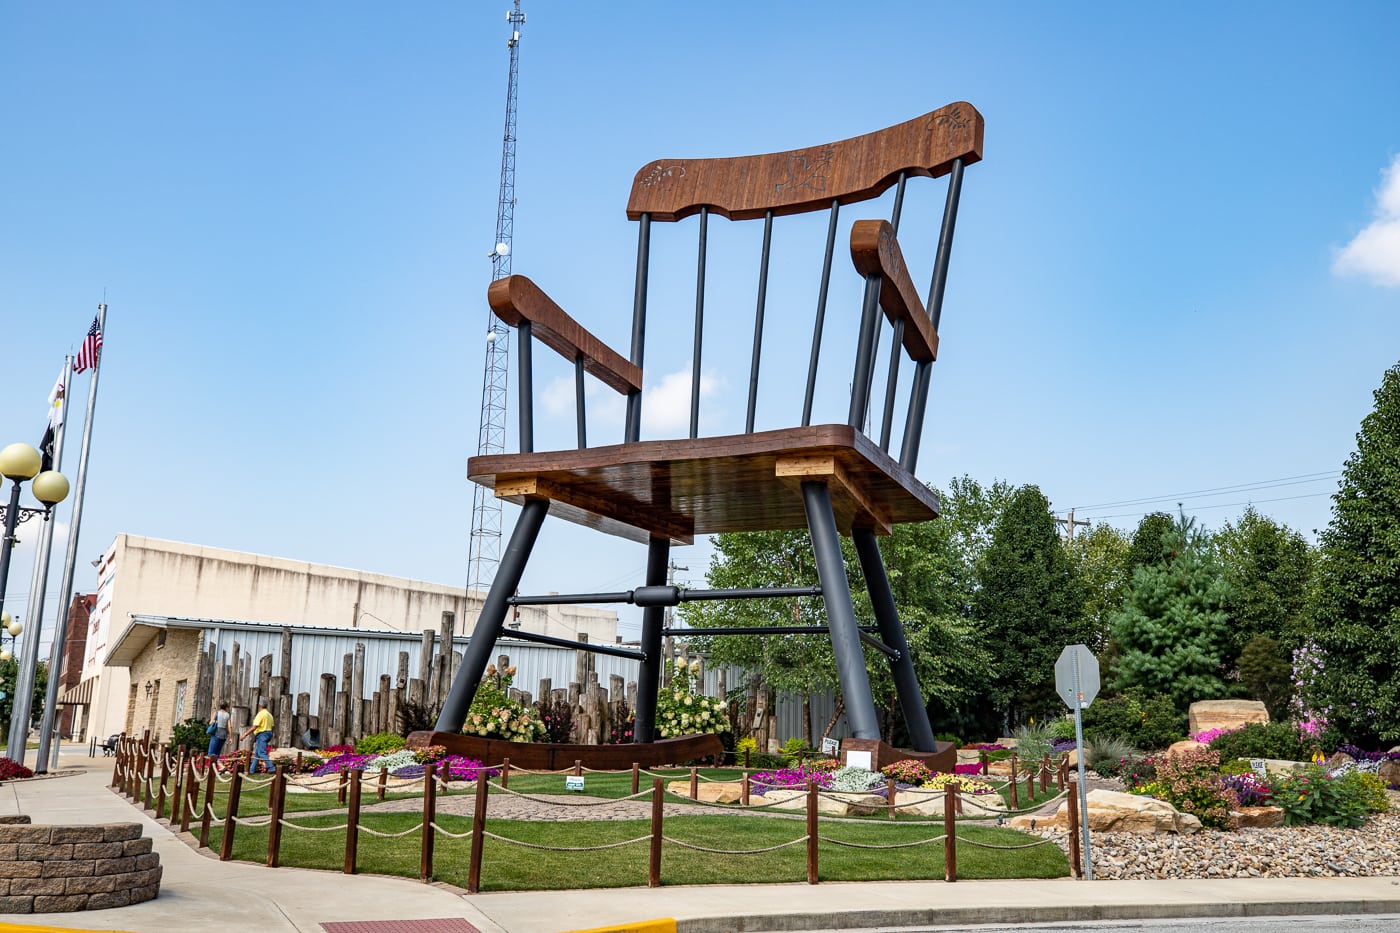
pixel 380 743
pixel 1262 740
pixel 190 736
pixel 1147 722
pixel 1061 728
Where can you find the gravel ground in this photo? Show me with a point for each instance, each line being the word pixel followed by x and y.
pixel 1288 852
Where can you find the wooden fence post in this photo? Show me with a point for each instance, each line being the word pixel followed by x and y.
pixel 1045 774
pixel 211 777
pixel 654 864
pixel 744 789
pixel 950 831
pixel 234 790
pixel 1030 786
pixel 1075 865
pixel 982 760
pixel 383 783
pixel 120 756
pixel 578 767
pixel 811 832
pixel 191 794
pixel 164 776
pixel 278 793
pixel 636 777
pixel 178 786
pixel 890 792
pixel 1015 804
pixel 505 774
pixel 425 863
pixel 146 784
pixel 478 833
pixel 340 789
pixel 352 823
pixel 694 784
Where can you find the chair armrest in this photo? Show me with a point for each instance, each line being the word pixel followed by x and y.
pixel 875 251
pixel 516 299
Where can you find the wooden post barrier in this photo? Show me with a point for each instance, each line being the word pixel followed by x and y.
pixel 890 792
pixel 654 862
pixel 1075 866
pixel 1015 804
pixel 425 863
pixel 211 777
pixel 146 783
pixel 177 787
pixel 1045 774
pixel 352 823
pixel 636 777
pixel 133 769
pixel 950 831
pixel 982 759
pixel 505 775
pixel 277 804
pixel 234 790
pixel 744 789
pixel 1061 773
pixel 1030 786
pixel 578 767
pixel 164 776
pixel 340 788
pixel 187 800
pixel 478 833
pixel 383 783
pixel 694 784
pixel 811 832
pixel 120 761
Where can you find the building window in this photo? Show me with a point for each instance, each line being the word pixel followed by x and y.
pixel 180 687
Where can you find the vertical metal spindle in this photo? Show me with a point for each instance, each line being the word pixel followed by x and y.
pixel 579 412
pixel 898 201
pixel 918 399
pixel 639 325
pixel 699 325
pixel 821 316
pixel 891 384
pixel 758 322
pixel 527 402
pixel 865 353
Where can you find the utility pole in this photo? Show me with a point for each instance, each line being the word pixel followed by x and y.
pixel 667 668
pixel 484 549
pixel 1069 524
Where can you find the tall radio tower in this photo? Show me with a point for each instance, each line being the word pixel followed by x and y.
pixel 485 548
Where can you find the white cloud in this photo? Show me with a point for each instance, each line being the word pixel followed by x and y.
pixel 665 403
pixel 1375 252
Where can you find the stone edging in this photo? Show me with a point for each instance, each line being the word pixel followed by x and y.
pixel 47 869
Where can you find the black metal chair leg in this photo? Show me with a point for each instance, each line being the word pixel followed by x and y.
pixel 653 619
pixel 840 612
pixel 906 682
pixel 492 619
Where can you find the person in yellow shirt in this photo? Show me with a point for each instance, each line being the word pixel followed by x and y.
pixel 261 731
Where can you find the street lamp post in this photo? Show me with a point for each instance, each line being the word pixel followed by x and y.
pixel 13 628
pixel 20 463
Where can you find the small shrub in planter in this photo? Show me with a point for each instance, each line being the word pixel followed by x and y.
pixel 909 771
pixel 380 743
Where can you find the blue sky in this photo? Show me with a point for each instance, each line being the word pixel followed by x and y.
pixel 289 208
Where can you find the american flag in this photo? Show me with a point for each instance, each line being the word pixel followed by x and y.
pixel 92 345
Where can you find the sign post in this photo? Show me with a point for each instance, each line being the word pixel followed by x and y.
pixel 1077 683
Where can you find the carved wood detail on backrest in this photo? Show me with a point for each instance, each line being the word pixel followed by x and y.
pixel 809 179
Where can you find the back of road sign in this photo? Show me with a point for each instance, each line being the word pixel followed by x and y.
pixel 1077 692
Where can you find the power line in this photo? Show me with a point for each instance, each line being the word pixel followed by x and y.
pixel 1221 490
pixel 1225 505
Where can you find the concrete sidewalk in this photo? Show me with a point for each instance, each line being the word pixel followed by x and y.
pixel 200 893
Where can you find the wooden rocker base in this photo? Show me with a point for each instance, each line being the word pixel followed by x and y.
pixel 548 756
pixel 883 754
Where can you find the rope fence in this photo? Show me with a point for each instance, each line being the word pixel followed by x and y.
pixel 146 773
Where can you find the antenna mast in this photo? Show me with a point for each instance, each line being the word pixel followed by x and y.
pixel 485 548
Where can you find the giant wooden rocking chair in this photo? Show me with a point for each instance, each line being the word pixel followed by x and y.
pixel 830 478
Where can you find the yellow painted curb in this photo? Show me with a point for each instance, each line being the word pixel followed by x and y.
pixel 24 928
pixel 660 925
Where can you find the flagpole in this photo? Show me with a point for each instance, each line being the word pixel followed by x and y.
pixel 22 707
pixel 65 593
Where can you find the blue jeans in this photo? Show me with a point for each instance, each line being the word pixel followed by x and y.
pixel 216 745
pixel 260 752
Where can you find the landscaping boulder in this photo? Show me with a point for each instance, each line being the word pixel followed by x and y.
pixel 1115 812
pixel 1389 771
pixel 930 803
pixel 709 791
pixel 1205 715
pixel 1339 760
pixel 1186 745
pixel 1258 817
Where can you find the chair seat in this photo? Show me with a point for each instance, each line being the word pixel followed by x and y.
pixel 677 489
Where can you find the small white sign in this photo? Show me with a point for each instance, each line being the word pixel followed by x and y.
pixel 573 782
pixel 855 759
pixel 1259 766
pixel 830 746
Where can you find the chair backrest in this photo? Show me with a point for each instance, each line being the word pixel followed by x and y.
pixel 939 143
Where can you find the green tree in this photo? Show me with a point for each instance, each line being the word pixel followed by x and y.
pixel 1266 673
pixel 1148 547
pixel 9 674
pixel 1356 617
pixel 1172 633
pixel 1269 567
pixel 1100 556
pixel 1030 604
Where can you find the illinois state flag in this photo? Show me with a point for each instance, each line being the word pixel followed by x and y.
pixel 55 422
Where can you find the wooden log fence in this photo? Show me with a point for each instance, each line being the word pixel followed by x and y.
pixel 137 760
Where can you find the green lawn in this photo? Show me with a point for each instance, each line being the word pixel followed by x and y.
pixel 507 867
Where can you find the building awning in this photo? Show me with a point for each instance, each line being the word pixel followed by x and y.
pixel 81 695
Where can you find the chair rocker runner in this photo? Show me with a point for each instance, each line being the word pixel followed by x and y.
pixel 832 479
